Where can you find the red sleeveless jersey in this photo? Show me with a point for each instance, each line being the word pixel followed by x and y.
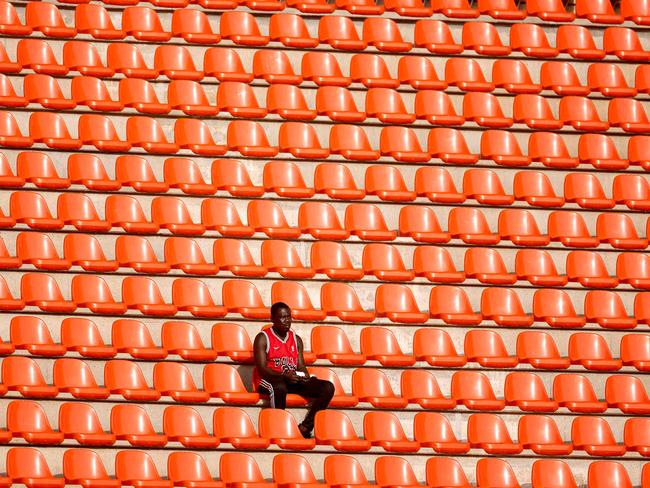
pixel 281 355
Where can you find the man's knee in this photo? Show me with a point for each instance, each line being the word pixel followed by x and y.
pixel 280 388
pixel 328 389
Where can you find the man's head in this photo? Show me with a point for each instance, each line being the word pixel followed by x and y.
pixel 281 318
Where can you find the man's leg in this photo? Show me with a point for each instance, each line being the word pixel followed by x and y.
pixel 276 389
pixel 321 391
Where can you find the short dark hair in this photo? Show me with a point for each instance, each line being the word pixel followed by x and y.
pixel 275 308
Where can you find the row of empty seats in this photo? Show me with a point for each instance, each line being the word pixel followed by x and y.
pixel 598 12
pixel 339 32
pixel 336 103
pixel 28 466
pixel 381 261
pixel 472 389
pixel 249 138
pixel 394 301
pixel 131 423
pixel 285 179
pixel 486 348
pixel 321 68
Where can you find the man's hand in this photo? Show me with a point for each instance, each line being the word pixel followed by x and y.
pixel 292 377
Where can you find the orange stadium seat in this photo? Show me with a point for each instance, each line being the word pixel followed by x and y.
pixel 285 179
pixel 295 295
pixel 435 36
pixel 592 352
pixel 249 139
pixel 619 231
pixel 184 174
pixel 384 262
pixel 632 268
pixel 125 378
pixel 320 220
pixel 281 429
pixel 224 64
pixel 550 472
pixel 534 111
pixel 473 390
pixel 490 471
pixel 125 211
pixel 635 350
pixel 635 436
pixel 372 386
pixel 594 436
pixel 598 12
pixel 575 392
pixel 570 229
pixel 189 469
pixel 531 40
pixel 7 301
pixel 612 470
pixel 127 59
pixel 300 140
pixel 75 377
pixel 632 191
pixel 291 30
pixel 171 213
pixel 6 64
pixel 137 468
pixel 624 43
pixel 514 77
pixel 94 20
pixel 398 304
pixel 223 381
pixel 45 90
pixel 92 292
pixel 84 58
pixel 82 336
pixel 380 344
pixel 99 131
pixel 419 73
pixel 394 471
pixel 556 309
pixel 192 295
pixel 454 9
pixel 433 430
pixel 193 26
pixel 486 348
pixel 7 177
pixel 133 337
pixel 143 24
pixel 526 391
pixel 383 429
pixel 7 261
pixel 143 294
pixel 487 266
pixel 588 268
pixel 185 254
pixel 485 187
pixel 341 300
pixel 538 349
pixel 42 291
pixel 175 62
pixel 628 394
pixel 232 340
pixel 609 80
pixel 175 380
pixel 502 305
pixel 471 226
pixel 26 465
pixel 37 54
pixel 466 74
pixel 420 387
pixel 502 148
pixel 538 268
pixel 335 428
pixel 140 95
pixel 237 468
pixel 238 99
pixel 289 469
pixel 281 257
pixel 360 7
pixel 38 250
pixel 452 306
pixel 23 375
pixel 561 77
pixel 371 71
pixel 137 253
pixel 10 23
pixel 288 102
pixel 343 469
pixel 323 69
pixel 384 35
pixel 232 176
pixel 28 420
pixel 437 185
pixel 436 348
pixel 85 467
pixel 242 297
pixel 488 431
pixel 51 130
pixel 33 335
pixel 445 472
pixel 581 114
pixel 183 339
pixel 550 150
pixel 340 33
pixel 501 9
pixel 483 38
pixel 607 310
pixel 541 435
pixel 233 255
pixel 421 224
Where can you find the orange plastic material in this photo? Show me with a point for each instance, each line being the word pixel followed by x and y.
pixel 335 428
pixel 193 26
pixel 225 65
pixel 541 435
pixel 340 299
pixel 470 225
pixel 288 102
pixel 239 100
pixel 420 386
pixel 387 105
pixel 175 62
pixel 594 436
pixel 84 467
pixel 635 437
pixel 291 30
pixel 7 261
pixel 598 12
pixel 242 297
pixel 143 24
pixel 619 231
pixel 486 348
pixel 133 337
pixel 635 351
pixel 466 74
pixel 45 90
pixel 435 36
pixel 84 58
pixel 538 268
pixel 502 305
pixel 536 189
pixel 488 431
pixel 125 378
pixel 136 468
pixel 434 430
pixel 10 23
pixel 342 470
pixel 495 472
pixel 487 266
pixel 570 229
pixel 473 390
pixel 193 295
pixel 442 471
pixel 323 69
pixel 23 375
pixel 624 43
pixel 395 471
pixel 535 112
pixel 437 185
pixel 37 54
pixel 222 216
pixel 501 9
pixel 285 179
pixel 367 222
pixel 340 398
pixel 629 115
pixel 372 386
pixel 549 10
pixel 26 465
pixel 418 72
pixel 32 335
pixel 282 257
pixel 240 469
pixel 513 76
pixel 137 253
pixel 174 380
pixel 143 294
pixel 628 394
pixel 38 250
pixel 609 80
pixel 336 181
pixel 38 168
pixel 42 290
pixel 561 77
pixel 82 336
pixel 189 469
pixel 6 64
pixel 539 350
pixel 372 71
pixel 485 187
pixel 84 250
pixel 550 472
pixel 148 134
pixel 581 114
pixel 268 217
pixel 295 295
pixel 592 352
pixel 331 343
pixel 126 58
pixel 483 38
pixel 249 139
pixel 586 191
pixel 360 7
pixel 50 129
pixel 340 33
pixel 526 391
pixel 384 35
pixel 555 308
pixel 588 268
pixel 183 339
pixel 94 19
pixel 294 470
pixel 452 306
pixel 320 220
pixel 189 96
pixel 281 429
pixel 234 426
pixel 385 263
pixel 408 8
pixel 531 40
pixel 450 146
pixel 99 131
pixel 607 310
pixel 436 348
pixel 383 429
pixel 75 377
pixel 454 8
pixel 232 176
pixel 184 174
pixel 601 470
pixel 380 344
pixel 223 381
pixel 7 177
pixel 27 419
pixel 337 103
pixel 485 110
pixel 171 213
pixel 8 302
pixel 301 141
pixel 185 254
pixel 397 303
